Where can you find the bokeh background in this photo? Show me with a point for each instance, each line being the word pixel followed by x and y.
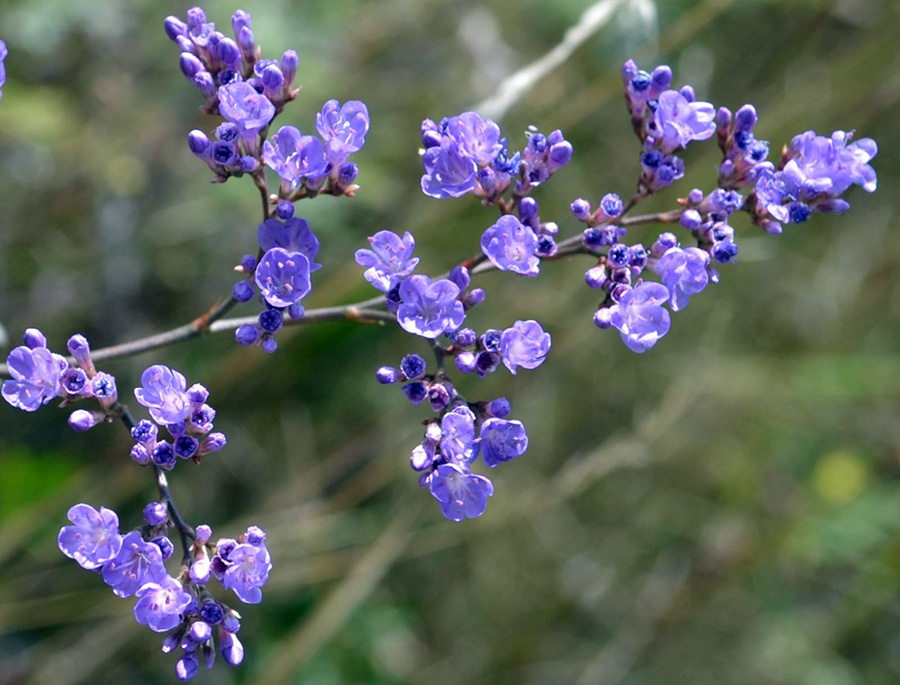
pixel 722 510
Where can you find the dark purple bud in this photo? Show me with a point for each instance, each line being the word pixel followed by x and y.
pixel 486 362
pixel 229 54
pixel 186 446
pixel 387 375
pixel 465 337
pixel 835 206
pixel 560 155
pixel 190 65
pixel 413 367
pixel 637 256
pixel 723 121
pixel 546 246
pixel 620 275
pixel 155 513
pixel 79 348
pixel 595 277
pixel 438 396
pixel 175 27
pixel 271 320
pixel 273 80
pixel 33 339
pixel 498 408
pixel 223 153
pixel 416 392
pixel 691 219
pixel 246 334
pixel 593 238
pixel 231 622
pixel 618 255
pixel 198 142
pixel 254 535
pixel 74 381
pixel 200 631
pixel 473 298
pixel 611 206
pixel 205 84
pixel 185 44
pixel 247 44
pixel 231 648
pixel 289 61
pixel 465 361
pixel 81 420
pixel 145 431
pixel 196 17
pixel 248 164
pixel 269 344
pixel 581 209
pixel 140 454
pixel 528 209
pixel 173 639
pixel 103 387
pixel 212 612
pixel 663 244
pixel 242 291
pixel 248 264
pixel 202 534
pixel 347 173
pixel 745 118
pixel 163 455
pixel 724 251
pixel 687 92
pixel 239 20
pixel 602 318
pixel 420 458
pixel 165 545
pixel 431 139
pixel 213 443
pixel 618 291
pixel 200 571
pixel 186 667
pixel 660 80
pixel 460 276
pixel 284 210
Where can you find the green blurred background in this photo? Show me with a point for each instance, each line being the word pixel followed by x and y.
pixel 722 510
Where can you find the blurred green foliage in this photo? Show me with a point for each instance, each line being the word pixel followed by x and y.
pixel 722 510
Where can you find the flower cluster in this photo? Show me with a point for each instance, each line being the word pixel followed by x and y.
pixel 664 120
pixel 39 375
pixel 133 565
pixel 182 411
pixel 282 276
pixel 466 154
pixel 812 174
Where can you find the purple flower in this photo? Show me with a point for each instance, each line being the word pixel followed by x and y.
pixel 93 539
pixel 3 53
pixel 684 273
pixel 639 316
pixel 137 562
pixel 248 567
pixel 283 277
pixel 36 375
pixel 164 394
pixel 458 435
pixel 449 172
pixel 829 165
pixel 245 108
pixel 524 344
pixel 461 494
pixel 478 138
pixel 343 128
pixel 160 605
pixel 679 121
pixel 294 235
pixel 429 309
pixel 390 260
pixel 510 246
pixel 502 440
pixel 294 156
